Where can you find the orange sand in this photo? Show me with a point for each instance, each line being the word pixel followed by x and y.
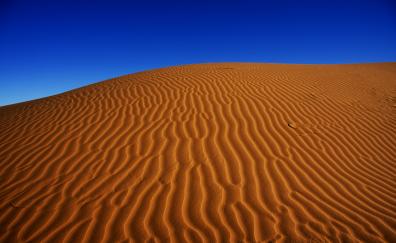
pixel 206 153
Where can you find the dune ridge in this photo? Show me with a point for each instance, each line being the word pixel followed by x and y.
pixel 228 152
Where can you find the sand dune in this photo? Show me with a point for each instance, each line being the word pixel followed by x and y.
pixel 206 153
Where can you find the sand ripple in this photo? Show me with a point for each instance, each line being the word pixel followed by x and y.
pixel 206 153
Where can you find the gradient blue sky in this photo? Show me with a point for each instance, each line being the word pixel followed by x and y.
pixel 47 47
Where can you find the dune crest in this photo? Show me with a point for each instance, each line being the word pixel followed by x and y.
pixel 232 152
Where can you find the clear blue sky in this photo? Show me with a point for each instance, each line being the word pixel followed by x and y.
pixel 47 47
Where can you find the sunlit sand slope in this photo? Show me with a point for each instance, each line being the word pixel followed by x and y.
pixel 206 153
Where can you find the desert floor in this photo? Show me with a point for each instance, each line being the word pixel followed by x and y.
pixel 231 152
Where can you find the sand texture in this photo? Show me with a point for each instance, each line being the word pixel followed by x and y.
pixel 232 152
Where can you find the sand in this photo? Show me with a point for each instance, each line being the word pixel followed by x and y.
pixel 231 152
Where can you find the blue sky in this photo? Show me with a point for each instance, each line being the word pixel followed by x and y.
pixel 47 47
